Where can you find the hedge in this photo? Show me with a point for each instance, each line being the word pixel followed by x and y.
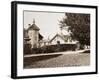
pixel 49 49
pixel 55 48
pixel 27 49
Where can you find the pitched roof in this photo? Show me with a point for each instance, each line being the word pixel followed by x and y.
pixel 40 37
pixel 33 27
pixel 63 37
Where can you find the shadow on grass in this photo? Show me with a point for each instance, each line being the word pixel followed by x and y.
pixel 30 60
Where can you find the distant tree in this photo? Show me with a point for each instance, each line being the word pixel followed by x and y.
pixel 79 25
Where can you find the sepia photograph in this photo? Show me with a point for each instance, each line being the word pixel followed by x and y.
pixel 54 39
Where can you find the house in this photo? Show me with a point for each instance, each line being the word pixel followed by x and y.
pixel 44 43
pixel 64 39
pixel 58 39
pixel 32 35
pixel 61 39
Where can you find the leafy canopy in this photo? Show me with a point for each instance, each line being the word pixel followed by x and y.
pixel 79 25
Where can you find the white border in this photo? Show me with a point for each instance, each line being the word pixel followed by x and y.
pixel 30 72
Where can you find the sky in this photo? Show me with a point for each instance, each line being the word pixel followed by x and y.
pixel 48 22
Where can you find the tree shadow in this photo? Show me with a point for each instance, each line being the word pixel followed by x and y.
pixel 30 60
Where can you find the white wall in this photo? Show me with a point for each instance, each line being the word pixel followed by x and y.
pixel 5 40
pixel 33 35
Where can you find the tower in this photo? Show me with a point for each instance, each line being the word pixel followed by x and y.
pixel 33 32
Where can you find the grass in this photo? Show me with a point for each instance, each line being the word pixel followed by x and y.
pixel 29 60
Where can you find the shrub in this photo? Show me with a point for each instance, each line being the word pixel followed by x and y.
pixel 55 48
pixel 27 49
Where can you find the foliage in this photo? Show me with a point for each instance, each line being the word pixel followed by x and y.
pixel 78 25
pixel 54 48
pixel 27 49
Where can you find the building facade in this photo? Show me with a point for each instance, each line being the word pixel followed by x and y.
pixel 33 34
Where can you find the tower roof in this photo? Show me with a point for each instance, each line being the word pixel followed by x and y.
pixel 33 26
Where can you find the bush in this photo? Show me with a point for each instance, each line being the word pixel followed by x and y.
pixel 27 49
pixel 55 48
